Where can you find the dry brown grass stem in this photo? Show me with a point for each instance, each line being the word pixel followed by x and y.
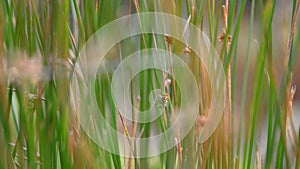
pixel 290 90
pixel 179 147
pixel 133 135
pixel 227 39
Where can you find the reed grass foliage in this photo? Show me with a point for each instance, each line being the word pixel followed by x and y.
pixel 149 84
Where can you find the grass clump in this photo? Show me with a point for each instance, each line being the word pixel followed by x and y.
pixel 40 41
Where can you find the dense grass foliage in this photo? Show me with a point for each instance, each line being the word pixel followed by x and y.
pixel 40 41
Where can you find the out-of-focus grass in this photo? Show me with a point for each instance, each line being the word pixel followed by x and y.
pixel 39 130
